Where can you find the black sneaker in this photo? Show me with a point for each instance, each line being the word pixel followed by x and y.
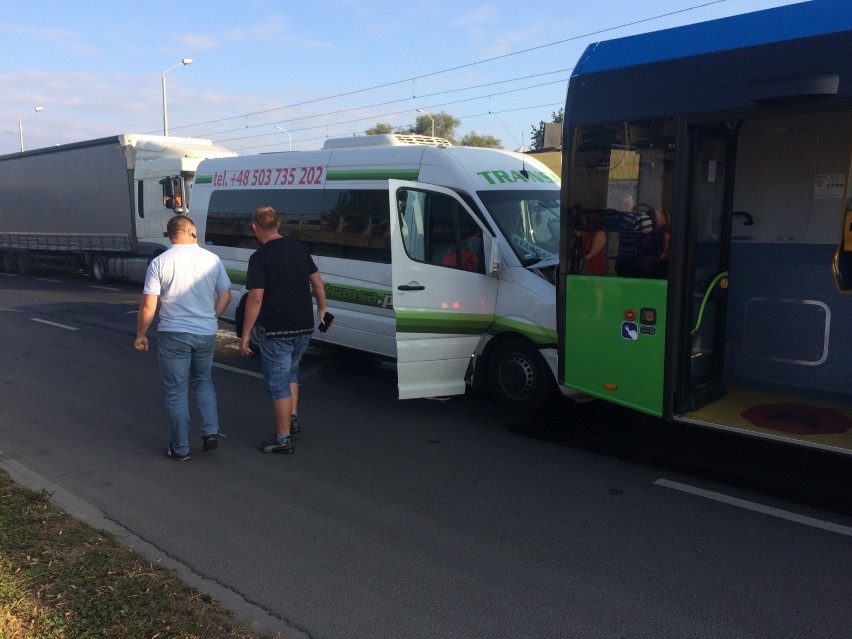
pixel 210 442
pixel 294 425
pixel 173 455
pixel 275 446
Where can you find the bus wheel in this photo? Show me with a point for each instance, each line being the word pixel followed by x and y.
pixel 518 376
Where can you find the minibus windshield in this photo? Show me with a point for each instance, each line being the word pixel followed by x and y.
pixel 528 219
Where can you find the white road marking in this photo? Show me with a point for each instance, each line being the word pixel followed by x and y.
pixel 44 279
pixel 104 288
pixel 234 369
pixel 760 508
pixel 70 328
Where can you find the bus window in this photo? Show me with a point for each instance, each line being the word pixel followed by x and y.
pixel 625 169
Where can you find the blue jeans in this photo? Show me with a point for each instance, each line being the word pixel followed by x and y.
pixel 187 359
pixel 280 357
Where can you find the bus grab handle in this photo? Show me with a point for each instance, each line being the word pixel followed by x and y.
pixel 715 281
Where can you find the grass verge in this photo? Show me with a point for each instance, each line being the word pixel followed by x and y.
pixel 62 579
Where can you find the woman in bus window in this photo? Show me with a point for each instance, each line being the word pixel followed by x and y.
pixel 593 242
pixel 655 249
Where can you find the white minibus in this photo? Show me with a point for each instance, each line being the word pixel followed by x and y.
pixel 443 257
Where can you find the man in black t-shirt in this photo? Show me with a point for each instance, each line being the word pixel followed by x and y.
pixel 279 315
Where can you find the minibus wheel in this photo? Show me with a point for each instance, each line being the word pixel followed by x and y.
pixel 518 376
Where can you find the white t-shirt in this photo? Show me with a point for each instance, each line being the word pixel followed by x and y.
pixel 187 278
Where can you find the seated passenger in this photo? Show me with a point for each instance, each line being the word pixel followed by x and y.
pixel 470 250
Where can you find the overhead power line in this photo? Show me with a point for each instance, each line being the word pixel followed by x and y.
pixel 436 73
pixel 265 125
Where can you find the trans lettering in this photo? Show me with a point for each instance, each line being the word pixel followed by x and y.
pixel 510 177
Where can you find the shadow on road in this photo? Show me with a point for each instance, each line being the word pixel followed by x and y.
pixel 807 476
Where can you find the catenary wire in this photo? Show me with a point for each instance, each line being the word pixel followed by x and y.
pixel 448 70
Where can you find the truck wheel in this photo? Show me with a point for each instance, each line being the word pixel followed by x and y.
pixel 518 376
pixel 99 268
pixel 23 265
pixel 7 262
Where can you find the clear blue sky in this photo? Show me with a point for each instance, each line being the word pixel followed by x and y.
pixel 325 68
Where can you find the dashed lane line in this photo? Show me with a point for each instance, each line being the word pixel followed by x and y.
pixel 65 326
pixel 760 508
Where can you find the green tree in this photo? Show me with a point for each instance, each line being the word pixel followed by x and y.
pixel 537 133
pixel 445 126
pixel 475 139
pixel 381 127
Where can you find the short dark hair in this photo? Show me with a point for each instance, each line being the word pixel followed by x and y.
pixel 179 223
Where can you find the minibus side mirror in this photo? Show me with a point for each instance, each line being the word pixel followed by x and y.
pixel 494 258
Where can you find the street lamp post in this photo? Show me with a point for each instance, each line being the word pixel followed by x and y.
pixel 289 137
pixel 21 126
pixel 431 118
pixel 183 62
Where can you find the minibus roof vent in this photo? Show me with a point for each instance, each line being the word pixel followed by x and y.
pixel 384 139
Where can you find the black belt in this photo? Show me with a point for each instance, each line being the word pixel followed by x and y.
pixel 298 331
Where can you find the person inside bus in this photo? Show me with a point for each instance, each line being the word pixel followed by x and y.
pixel 634 226
pixel 652 249
pixel 591 242
pixel 656 251
pixel 469 251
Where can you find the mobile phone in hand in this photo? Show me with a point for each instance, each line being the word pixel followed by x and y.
pixel 326 322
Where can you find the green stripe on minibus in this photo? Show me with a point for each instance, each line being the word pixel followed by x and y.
pixel 372 174
pixel 442 322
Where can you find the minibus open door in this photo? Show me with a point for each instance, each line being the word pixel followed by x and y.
pixel 443 298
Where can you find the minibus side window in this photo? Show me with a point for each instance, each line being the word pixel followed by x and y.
pixel 437 230
pixel 355 225
pixel 345 223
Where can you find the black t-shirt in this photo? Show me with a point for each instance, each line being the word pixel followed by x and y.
pixel 281 267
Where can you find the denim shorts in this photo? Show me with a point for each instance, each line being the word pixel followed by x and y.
pixel 281 358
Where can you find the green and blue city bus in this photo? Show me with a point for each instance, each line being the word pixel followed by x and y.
pixel 717 157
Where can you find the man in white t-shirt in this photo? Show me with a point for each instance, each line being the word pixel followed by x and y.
pixel 193 289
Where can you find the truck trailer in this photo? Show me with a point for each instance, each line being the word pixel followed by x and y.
pixel 99 205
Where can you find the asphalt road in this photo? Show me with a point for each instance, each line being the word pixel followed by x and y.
pixel 422 518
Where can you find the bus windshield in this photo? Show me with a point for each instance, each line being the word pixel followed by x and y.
pixel 528 219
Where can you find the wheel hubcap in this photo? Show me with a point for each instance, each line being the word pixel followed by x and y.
pixel 517 376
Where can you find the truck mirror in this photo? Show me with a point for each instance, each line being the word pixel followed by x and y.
pixel 172 193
